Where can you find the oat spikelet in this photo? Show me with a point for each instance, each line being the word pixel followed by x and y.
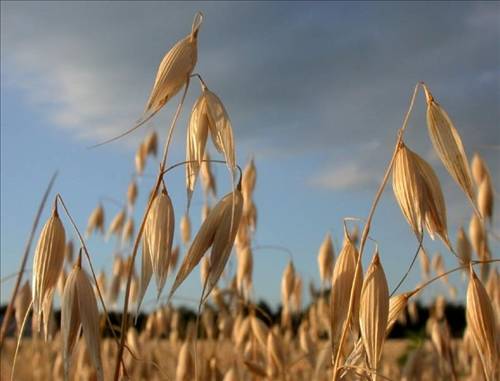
pixel 79 311
pixel 287 282
pixel 196 140
pixel 159 234
pixel 481 320
pixel 479 169
pixel 116 225
pixel 185 229
pixel 128 230
pixel 22 303
pixel 96 221
pixel 174 70
pixel 47 266
pixel 185 364
pixel 151 143
pixel 132 192
pixel 448 145
pixel 485 198
pixel 419 194
pixel 342 281
pixel 140 158
pixel 425 263
pixel 219 231
pixel 477 236
pixel 146 273
pixel 207 176
pixel 249 179
pixel 397 305
pixel 259 330
pixel 325 259
pixel 374 311
pixel 464 248
pixel 244 270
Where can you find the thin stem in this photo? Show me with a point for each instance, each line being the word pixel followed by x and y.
pixel 409 267
pixel 10 276
pixel 180 163
pixel 172 127
pixel 280 248
pixel 84 246
pixel 124 325
pixel 202 82
pixel 18 345
pixel 10 307
pixel 437 277
pixel 366 230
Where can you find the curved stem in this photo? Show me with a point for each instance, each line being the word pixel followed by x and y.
pixel 172 126
pixel 10 307
pixel 366 230
pixel 280 248
pixel 409 267
pixel 180 163
pixel 18 345
pixel 437 277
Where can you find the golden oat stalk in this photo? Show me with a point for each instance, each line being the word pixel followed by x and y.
pixel 481 320
pixel 79 311
pixel 342 281
pixel 374 311
pixel 47 266
pixel 208 115
pixel 217 231
pixel 158 237
pixel 96 221
pixel 418 192
pixel 448 144
pixel 173 73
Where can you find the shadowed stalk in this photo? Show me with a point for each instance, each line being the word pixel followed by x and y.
pixel 366 230
pixel 10 307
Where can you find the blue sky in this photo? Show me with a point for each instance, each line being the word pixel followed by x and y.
pixel 315 91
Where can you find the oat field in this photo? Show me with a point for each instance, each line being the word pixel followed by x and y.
pixel 341 335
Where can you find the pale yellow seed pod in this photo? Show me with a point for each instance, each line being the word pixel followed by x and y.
pixel 374 311
pixel 21 304
pixel 207 176
pixel 325 259
pixel 140 158
pixel 151 143
pixel 342 281
pixel 174 70
pixel 185 364
pixel 128 230
pixel 481 320
pixel 477 235
pixel 79 311
pixel 464 248
pixel 419 194
pixel 479 169
pixel 47 266
pixel 116 225
pixel 425 263
pixel 249 179
pixel 132 192
pixel 448 145
pixel 217 231
pixel 185 229
pixel 287 282
pixel 159 233
pixel 244 270
pixel 96 221
pixel 485 198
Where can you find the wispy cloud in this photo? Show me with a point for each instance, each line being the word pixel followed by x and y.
pixel 346 176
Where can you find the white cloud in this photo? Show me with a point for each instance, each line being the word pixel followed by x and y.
pixel 344 177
